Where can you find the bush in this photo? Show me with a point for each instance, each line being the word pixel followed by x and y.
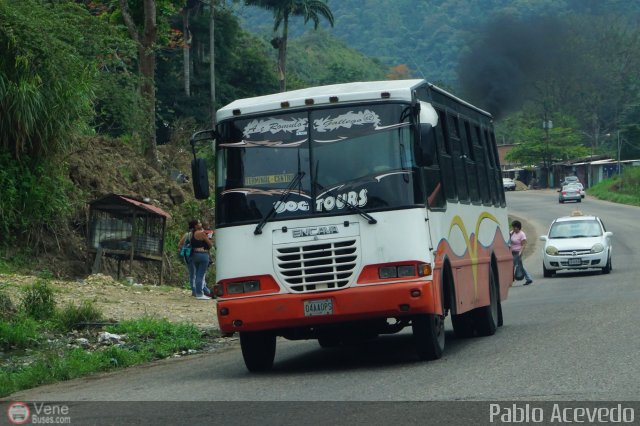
pixel 21 333
pixel 617 190
pixel 71 316
pixel 159 338
pixel 7 309
pixel 38 301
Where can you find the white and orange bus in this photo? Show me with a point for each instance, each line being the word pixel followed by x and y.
pixel 348 211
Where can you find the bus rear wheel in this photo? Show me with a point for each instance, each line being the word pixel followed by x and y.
pixel 463 325
pixel 428 335
pixel 487 317
pixel 258 350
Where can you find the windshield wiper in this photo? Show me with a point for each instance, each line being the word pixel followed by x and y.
pixel 361 212
pixel 282 199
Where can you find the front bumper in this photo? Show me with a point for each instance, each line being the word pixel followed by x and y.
pixel 280 311
pixel 587 261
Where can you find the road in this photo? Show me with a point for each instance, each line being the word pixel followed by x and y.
pixel 570 337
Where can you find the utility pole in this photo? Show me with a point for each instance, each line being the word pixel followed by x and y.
pixel 546 125
pixel 618 150
pixel 212 64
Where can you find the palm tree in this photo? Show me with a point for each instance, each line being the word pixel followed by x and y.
pixel 282 9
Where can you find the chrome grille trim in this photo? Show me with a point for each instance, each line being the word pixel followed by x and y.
pixel 317 265
pixel 571 252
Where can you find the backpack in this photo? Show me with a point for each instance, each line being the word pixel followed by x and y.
pixel 186 250
pixel 518 272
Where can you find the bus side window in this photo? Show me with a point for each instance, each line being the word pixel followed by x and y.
pixel 432 176
pixel 491 168
pixel 481 165
pixel 444 153
pixel 457 155
pixel 470 163
pixel 498 179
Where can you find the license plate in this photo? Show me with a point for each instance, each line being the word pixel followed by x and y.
pixel 575 262
pixel 318 307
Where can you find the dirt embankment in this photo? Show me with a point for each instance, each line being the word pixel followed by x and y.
pixel 100 166
pixel 119 301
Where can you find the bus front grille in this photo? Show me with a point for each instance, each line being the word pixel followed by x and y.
pixel 317 266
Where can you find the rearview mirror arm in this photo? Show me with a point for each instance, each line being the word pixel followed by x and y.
pixel 201 136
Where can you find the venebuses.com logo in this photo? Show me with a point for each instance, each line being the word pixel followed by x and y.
pixel 18 413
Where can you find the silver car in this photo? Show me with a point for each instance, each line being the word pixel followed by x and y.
pixel 508 184
pixel 576 242
pixel 569 193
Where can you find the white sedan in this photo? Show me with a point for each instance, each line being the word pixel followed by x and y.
pixel 508 184
pixel 576 242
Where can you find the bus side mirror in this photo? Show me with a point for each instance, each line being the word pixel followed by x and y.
pixel 427 146
pixel 200 178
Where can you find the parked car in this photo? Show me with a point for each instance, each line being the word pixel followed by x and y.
pixel 508 184
pixel 576 242
pixel 569 193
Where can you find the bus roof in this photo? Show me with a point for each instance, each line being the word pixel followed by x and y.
pixel 349 92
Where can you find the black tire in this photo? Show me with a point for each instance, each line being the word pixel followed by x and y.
pixel 546 272
pixel 428 335
pixel 463 325
pixel 560 201
pixel 329 341
pixel 258 350
pixel 607 268
pixel 486 318
pixel 580 200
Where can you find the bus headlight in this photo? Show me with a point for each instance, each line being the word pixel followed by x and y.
pixel 551 251
pixel 240 287
pixel 388 272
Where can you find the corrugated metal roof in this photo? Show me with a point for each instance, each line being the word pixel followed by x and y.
pixel 139 204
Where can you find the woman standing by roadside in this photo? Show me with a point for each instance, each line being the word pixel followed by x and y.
pixel 188 237
pixel 199 261
pixel 518 243
pixel 201 244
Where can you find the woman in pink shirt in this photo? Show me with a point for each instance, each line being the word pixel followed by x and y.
pixel 518 243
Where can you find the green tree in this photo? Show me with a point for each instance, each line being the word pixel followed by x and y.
pixel 282 10
pixel 45 89
pixel 147 24
pixel 45 101
pixel 243 68
pixel 537 146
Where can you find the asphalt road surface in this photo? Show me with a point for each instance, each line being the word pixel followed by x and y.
pixel 570 337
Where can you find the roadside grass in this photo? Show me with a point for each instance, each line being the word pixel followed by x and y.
pixel 625 190
pixel 39 343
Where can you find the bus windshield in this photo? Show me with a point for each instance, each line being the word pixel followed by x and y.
pixel 355 156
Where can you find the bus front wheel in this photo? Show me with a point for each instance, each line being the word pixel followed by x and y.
pixel 428 335
pixel 258 350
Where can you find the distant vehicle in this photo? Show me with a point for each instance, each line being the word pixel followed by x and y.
pixel 576 242
pixel 569 193
pixel 569 179
pixel 579 186
pixel 508 184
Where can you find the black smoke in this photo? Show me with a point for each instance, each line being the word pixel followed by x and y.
pixel 507 58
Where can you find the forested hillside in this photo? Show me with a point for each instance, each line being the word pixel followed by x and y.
pixel 573 62
pixel 430 37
